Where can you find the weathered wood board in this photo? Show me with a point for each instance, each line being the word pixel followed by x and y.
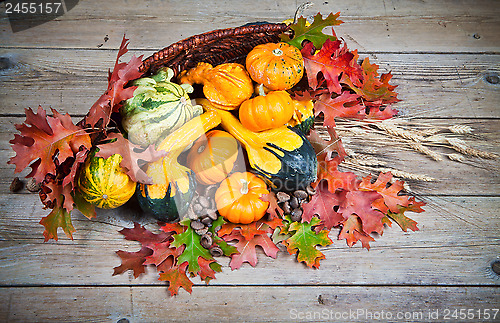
pixel 444 56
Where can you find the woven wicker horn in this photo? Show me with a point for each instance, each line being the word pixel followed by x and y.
pixel 214 47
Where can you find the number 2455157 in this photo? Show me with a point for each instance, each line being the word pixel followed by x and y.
pixel 33 8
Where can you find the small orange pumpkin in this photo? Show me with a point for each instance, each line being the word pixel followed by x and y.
pixel 213 157
pixel 278 66
pixel 267 111
pixel 238 198
pixel 226 85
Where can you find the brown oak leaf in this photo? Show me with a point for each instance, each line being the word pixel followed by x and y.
pixel 100 112
pixel 132 261
pixel 177 278
pixel 45 142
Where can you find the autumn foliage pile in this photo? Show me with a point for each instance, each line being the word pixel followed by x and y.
pixel 341 87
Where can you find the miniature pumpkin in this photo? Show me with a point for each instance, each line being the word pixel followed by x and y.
pixel 103 183
pixel 267 111
pixel 303 117
pixel 213 156
pixel 226 85
pixel 174 184
pixel 283 156
pixel 157 108
pixel 278 66
pixel 238 198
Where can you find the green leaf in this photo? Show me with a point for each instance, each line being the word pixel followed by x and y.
pixel 193 249
pixel 227 249
pixel 313 32
pixel 403 221
pixel 83 206
pixel 304 242
pixel 58 218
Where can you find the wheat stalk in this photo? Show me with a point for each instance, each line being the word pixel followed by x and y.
pixel 456 157
pixel 426 151
pixel 462 147
pixel 398 132
pixel 461 129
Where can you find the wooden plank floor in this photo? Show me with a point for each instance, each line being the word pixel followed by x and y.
pixel 445 57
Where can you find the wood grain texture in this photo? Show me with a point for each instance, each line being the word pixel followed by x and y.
pixel 458 239
pixel 476 176
pixel 441 26
pixel 440 53
pixel 431 85
pixel 244 304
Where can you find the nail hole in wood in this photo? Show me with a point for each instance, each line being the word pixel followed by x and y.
pixel 476 36
pixel 492 78
pixel 5 63
pixel 495 266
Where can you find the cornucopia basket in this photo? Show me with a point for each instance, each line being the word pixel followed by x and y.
pixel 214 47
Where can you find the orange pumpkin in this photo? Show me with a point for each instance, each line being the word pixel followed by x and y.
pixel 213 157
pixel 278 66
pixel 226 85
pixel 267 111
pixel 238 198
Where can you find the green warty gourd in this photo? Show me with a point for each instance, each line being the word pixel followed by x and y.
pixel 157 108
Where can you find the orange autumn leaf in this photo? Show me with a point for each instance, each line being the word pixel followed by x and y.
pixel 46 141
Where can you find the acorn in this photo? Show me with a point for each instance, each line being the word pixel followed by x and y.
pixel 16 185
pixel 33 186
pixel 216 251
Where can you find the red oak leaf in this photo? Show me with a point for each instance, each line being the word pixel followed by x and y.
pixel 45 142
pixel 161 251
pixel 132 261
pixel 177 278
pixel 172 228
pixel 327 170
pixel 379 112
pixel 360 203
pixel 248 231
pixel 333 62
pixel 246 248
pixel 208 268
pixel 274 211
pixel 54 193
pixel 79 159
pixel 145 237
pixel 345 105
pixel 327 148
pixel 375 91
pixel 59 217
pixel 133 156
pixel 116 92
pixel 403 221
pixel 390 199
pixel 322 204
pixel 353 232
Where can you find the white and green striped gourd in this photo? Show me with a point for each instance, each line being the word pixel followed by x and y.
pixel 157 108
